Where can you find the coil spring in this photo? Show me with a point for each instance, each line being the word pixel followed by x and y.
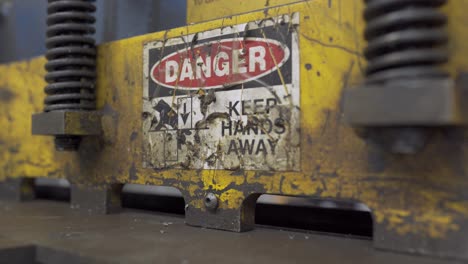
pixel 71 56
pixel 406 39
pixel 71 65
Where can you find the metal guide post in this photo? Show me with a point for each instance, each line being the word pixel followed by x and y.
pixel 70 102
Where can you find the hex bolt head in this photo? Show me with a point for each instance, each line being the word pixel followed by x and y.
pixel 211 201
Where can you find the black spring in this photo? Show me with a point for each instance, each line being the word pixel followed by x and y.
pixel 406 39
pixel 71 55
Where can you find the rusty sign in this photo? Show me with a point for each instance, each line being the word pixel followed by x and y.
pixel 227 98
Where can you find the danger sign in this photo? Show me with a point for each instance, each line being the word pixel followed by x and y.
pixel 224 99
pixel 217 63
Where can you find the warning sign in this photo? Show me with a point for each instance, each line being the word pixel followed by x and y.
pixel 224 99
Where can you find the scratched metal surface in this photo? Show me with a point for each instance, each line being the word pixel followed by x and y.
pixel 419 203
pixel 59 236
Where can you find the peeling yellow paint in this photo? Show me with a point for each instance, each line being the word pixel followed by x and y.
pixel 403 222
pixel 231 199
pixel 220 182
pixel 459 207
pixel 423 194
pixel 201 10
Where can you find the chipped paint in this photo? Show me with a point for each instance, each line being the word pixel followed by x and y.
pixel 431 224
pixel 423 195
pixel 200 10
pixel 6 95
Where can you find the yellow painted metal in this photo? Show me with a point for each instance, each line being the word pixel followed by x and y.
pixel 335 162
pixel 202 10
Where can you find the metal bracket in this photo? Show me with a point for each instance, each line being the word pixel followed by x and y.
pixel 102 199
pixel 409 103
pixel 67 123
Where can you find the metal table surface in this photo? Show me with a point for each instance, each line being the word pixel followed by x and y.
pixel 50 232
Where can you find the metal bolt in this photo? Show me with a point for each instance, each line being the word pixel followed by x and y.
pixel 211 201
pixel 409 141
pixel 67 143
pixel 398 140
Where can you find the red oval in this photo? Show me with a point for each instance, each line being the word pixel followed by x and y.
pixel 220 63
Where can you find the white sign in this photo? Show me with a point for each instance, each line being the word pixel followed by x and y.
pixel 224 99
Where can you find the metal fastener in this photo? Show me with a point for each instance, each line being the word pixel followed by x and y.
pixel 211 201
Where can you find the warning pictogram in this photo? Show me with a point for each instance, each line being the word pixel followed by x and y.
pixel 185 112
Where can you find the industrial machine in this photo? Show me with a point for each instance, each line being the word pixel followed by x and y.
pixel 345 101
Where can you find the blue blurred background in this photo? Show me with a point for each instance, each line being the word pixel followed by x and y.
pixel 23 23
